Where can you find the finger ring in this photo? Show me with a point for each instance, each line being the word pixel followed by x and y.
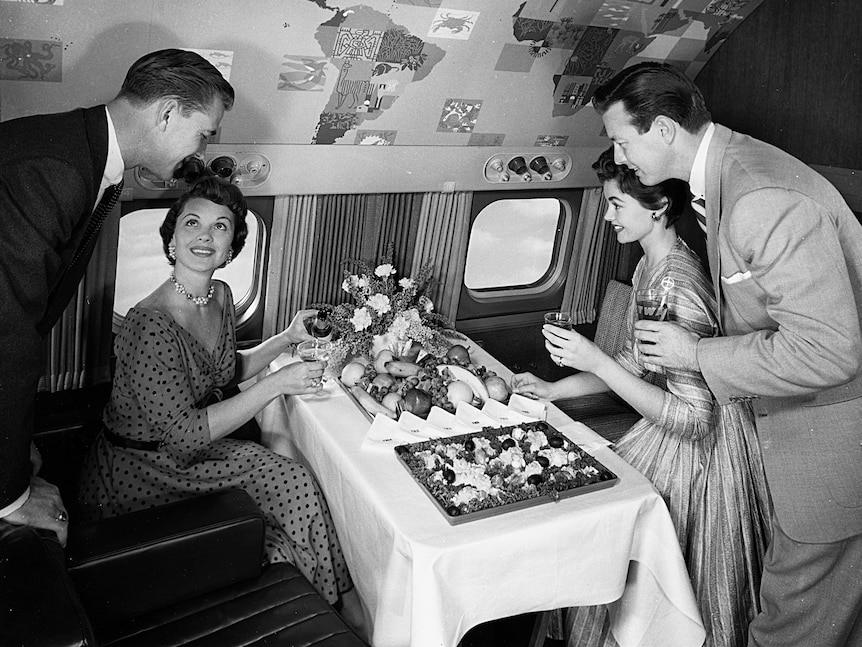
pixel 62 517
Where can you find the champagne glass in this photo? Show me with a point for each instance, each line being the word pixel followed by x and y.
pixel 315 350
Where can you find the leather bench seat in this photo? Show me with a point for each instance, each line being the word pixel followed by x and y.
pixel 278 608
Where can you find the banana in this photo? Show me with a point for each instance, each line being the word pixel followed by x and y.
pixel 368 402
pixel 400 368
pixel 480 391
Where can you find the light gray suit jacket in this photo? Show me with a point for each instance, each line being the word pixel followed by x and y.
pixel 785 253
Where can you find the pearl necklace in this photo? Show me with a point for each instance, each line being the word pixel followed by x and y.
pixel 198 301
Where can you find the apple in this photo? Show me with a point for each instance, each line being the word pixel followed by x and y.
pixel 352 373
pixel 416 402
pixel 458 391
pixel 383 380
pixel 497 388
pixel 391 401
pixel 459 354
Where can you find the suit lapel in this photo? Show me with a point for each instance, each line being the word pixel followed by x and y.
pixel 714 160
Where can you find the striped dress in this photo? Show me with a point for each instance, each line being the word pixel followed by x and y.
pixel 705 461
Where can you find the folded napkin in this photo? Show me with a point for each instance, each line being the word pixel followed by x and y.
pixel 385 433
pixel 535 409
pixel 504 415
pixel 447 422
pixel 476 419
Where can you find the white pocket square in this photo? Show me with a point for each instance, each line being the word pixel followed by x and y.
pixel 736 278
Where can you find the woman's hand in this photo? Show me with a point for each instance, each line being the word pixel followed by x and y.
pixel 530 385
pixel 296 331
pixel 569 348
pixel 300 378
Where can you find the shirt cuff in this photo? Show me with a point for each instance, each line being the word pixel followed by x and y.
pixel 17 503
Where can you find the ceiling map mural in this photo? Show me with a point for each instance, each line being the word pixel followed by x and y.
pixel 382 72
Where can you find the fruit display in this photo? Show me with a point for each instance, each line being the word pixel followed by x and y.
pixel 395 385
pixel 476 475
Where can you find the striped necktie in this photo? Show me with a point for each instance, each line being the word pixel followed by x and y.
pixel 699 206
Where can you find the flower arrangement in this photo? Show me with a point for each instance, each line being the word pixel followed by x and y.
pixel 385 308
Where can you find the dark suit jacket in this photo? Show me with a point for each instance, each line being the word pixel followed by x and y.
pixel 785 252
pixel 50 170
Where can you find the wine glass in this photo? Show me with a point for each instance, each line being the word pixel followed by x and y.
pixel 315 350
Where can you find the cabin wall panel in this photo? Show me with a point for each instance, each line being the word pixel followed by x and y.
pixel 790 76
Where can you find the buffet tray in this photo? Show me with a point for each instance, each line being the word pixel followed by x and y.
pixel 552 488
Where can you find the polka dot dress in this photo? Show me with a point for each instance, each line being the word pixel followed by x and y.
pixel 163 380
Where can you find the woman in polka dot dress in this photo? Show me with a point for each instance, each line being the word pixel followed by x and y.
pixel 165 426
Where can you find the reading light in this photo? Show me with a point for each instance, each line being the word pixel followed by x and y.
pixel 518 165
pixel 540 166
pixel 548 167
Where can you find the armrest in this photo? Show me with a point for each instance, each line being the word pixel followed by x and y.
pixel 132 564
pixel 38 604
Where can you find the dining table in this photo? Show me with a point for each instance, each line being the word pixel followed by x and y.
pixel 425 582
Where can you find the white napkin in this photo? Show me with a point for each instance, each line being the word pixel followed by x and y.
pixel 536 409
pixel 504 415
pixel 447 422
pixel 472 416
pixel 385 433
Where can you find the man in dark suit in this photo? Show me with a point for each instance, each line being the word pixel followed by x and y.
pixel 55 169
pixel 785 253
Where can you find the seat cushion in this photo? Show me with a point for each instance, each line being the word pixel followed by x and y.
pixel 38 604
pixel 605 413
pixel 278 608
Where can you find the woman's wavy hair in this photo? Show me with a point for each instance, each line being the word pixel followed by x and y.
pixel 673 192
pixel 218 192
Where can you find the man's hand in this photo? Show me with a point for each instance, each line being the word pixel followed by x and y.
pixel 667 344
pixel 44 509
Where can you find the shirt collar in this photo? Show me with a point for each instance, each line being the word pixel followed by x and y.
pixel 114 166
pixel 697 182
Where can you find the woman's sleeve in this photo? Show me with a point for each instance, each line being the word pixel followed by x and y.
pixel 626 355
pixel 154 360
pixel 688 403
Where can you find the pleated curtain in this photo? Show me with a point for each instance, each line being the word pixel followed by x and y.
pixel 313 237
pixel 597 258
pixel 444 225
pixel 78 352
pixel 290 260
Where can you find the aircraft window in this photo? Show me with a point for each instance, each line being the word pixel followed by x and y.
pixel 513 243
pixel 142 266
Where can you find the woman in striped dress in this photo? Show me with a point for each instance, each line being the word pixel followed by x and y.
pixel 702 457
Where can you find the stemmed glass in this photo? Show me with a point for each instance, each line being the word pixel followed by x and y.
pixel 315 350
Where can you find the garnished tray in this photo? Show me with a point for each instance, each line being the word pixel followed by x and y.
pixel 499 469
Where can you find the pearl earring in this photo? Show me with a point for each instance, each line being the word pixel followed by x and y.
pixel 172 252
pixel 229 258
pixel 656 216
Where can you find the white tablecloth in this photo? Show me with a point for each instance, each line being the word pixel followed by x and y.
pixel 425 582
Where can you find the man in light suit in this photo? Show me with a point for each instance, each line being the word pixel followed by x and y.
pixel 54 171
pixel 785 252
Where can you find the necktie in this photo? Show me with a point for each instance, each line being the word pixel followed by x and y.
pixel 699 206
pixel 68 281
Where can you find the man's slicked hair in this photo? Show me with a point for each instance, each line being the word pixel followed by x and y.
pixel 179 74
pixel 648 90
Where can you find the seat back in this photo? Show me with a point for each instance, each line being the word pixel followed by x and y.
pixel 611 326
